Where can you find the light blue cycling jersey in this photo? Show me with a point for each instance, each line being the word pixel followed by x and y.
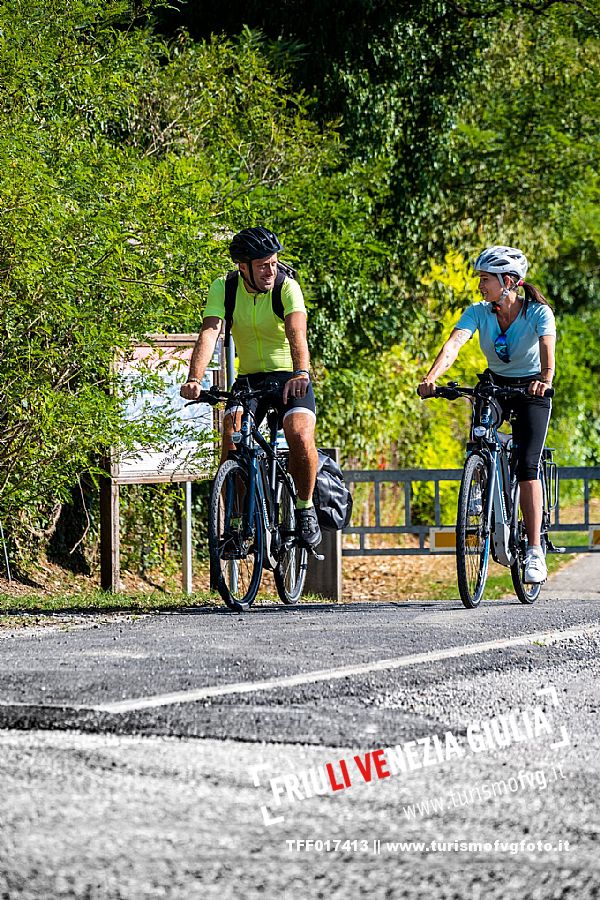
pixel 522 337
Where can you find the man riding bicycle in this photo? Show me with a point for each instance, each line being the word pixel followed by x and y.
pixel 517 334
pixel 268 348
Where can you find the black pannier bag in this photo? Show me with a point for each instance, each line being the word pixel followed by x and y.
pixel 332 499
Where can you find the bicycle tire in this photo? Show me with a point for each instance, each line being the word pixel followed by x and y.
pixel 527 593
pixel 292 561
pixel 236 549
pixel 472 540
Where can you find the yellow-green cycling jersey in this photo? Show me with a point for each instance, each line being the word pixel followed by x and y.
pixel 259 334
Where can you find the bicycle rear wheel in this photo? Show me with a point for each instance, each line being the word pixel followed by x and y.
pixel 292 562
pixel 527 593
pixel 472 537
pixel 235 544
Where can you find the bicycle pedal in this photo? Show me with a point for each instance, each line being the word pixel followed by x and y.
pixel 550 548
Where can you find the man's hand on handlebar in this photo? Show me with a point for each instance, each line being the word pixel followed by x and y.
pixel 426 388
pixel 297 386
pixel 190 390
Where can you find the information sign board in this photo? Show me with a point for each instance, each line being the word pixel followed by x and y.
pixel 184 454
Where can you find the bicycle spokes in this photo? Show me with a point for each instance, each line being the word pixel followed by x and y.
pixel 235 541
pixel 290 571
pixel 472 533
pixel 526 592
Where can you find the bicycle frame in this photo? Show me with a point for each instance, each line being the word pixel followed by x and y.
pixel 497 508
pixel 488 516
pixel 252 514
pixel 502 488
pixel 262 488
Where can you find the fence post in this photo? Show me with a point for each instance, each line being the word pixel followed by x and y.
pixel 186 539
pixel 110 557
pixel 325 577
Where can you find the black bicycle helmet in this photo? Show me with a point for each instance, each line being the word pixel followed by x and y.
pixel 253 243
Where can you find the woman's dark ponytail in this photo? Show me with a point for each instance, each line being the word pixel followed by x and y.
pixel 532 295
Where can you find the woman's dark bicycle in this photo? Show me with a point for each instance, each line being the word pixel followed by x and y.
pixel 252 518
pixel 488 516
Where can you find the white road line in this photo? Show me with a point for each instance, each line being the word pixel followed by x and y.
pixel 401 662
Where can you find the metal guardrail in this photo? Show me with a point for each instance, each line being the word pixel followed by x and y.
pixel 407 477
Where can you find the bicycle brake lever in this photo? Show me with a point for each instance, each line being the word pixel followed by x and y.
pixel 316 555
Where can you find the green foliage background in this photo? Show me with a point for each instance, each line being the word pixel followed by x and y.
pixel 136 136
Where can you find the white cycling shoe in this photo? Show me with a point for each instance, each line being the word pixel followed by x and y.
pixel 535 567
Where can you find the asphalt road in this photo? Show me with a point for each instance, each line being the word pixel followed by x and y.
pixel 426 750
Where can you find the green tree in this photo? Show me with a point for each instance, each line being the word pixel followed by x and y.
pixel 126 162
pixel 525 152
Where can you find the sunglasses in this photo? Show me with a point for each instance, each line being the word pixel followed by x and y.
pixel 501 348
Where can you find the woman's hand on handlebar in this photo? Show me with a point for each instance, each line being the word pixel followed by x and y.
pixel 538 388
pixel 191 390
pixel 426 388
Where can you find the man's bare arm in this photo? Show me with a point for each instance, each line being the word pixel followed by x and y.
pixel 201 356
pixel 295 330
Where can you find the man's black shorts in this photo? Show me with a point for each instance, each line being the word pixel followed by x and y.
pixel 259 407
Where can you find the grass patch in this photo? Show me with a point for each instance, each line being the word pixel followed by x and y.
pixel 499 582
pixel 22 610
pixel 101 601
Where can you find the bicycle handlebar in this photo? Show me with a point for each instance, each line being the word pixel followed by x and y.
pixel 215 395
pixel 453 391
pixel 212 396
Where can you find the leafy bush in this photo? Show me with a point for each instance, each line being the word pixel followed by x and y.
pixel 125 164
pixel 126 161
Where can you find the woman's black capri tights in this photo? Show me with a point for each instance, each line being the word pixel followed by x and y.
pixel 529 429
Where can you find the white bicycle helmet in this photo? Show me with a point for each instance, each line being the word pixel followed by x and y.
pixel 502 261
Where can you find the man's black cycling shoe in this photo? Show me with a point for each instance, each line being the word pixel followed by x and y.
pixel 307 526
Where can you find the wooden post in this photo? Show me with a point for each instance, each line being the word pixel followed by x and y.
pixel 110 555
pixel 325 577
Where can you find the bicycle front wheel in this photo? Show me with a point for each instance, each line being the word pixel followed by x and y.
pixel 472 536
pixel 235 544
pixel 527 593
pixel 292 562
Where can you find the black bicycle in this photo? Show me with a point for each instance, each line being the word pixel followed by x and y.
pixel 488 516
pixel 252 511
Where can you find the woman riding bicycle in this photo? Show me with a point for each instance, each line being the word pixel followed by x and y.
pixel 517 334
